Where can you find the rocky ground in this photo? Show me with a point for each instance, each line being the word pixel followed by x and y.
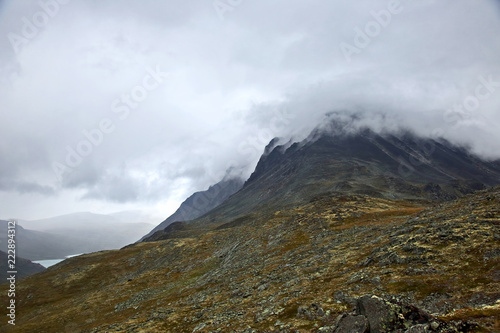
pixel 335 264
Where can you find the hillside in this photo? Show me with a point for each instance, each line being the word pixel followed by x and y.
pixel 24 267
pixel 293 270
pixel 327 235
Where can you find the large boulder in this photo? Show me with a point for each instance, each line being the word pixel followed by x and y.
pixel 374 314
pixel 382 316
pixel 353 324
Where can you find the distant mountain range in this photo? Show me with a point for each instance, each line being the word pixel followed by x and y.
pixel 37 245
pixel 58 237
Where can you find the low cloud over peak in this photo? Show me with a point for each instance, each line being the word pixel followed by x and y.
pixel 124 105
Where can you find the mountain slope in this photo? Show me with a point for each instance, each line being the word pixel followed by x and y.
pixel 292 270
pixel 24 267
pixel 200 203
pixel 386 166
pixel 330 233
pixel 368 163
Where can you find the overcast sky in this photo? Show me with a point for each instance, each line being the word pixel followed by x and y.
pixel 123 105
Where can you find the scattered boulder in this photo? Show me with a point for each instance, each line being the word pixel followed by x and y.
pixel 353 324
pixel 418 329
pixel 381 314
pixel 311 312
pixel 374 314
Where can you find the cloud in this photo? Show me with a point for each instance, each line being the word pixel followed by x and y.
pixel 26 187
pixel 235 80
pixel 116 187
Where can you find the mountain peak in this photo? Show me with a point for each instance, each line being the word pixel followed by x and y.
pixel 393 166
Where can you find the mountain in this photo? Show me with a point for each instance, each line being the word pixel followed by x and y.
pixel 351 232
pixel 61 236
pixel 81 221
pixel 37 245
pixel 200 203
pixel 72 221
pixel 132 216
pixel 401 166
pixel 23 267
pixel 90 232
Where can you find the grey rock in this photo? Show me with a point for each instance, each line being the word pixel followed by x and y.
pixel 199 327
pixel 391 258
pixel 413 249
pixel 312 312
pixel 376 280
pixel 340 297
pixel 418 329
pixel 493 254
pixel 434 325
pixel 353 324
pixel 381 315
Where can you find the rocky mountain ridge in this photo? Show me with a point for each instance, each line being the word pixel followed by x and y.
pixel 334 234
pixel 390 166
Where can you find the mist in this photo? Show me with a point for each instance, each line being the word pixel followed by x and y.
pixel 110 106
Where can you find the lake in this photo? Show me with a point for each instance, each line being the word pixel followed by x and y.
pixel 52 262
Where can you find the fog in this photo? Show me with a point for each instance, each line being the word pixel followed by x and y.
pixel 133 105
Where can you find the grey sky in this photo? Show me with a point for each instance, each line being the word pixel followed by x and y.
pixel 162 97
